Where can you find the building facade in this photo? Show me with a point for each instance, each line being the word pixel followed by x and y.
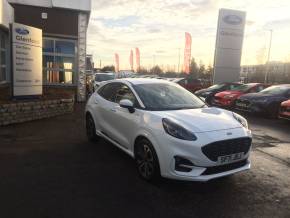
pixel 64 25
pixel 6 17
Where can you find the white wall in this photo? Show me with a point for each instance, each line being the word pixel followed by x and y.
pixel 80 5
pixel 6 13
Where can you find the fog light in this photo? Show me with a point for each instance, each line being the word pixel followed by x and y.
pixel 182 164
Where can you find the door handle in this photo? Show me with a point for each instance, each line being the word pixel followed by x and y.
pixel 114 110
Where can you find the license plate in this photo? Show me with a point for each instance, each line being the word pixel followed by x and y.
pixel 230 158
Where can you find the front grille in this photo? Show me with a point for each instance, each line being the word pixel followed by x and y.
pixel 224 168
pixel 227 147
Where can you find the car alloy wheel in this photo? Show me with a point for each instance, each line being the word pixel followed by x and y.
pixel 146 161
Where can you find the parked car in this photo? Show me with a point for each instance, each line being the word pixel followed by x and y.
pixel 207 95
pixel 168 130
pixel 285 110
pixel 266 102
pixel 101 77
pixel 228 98
pixel 191 85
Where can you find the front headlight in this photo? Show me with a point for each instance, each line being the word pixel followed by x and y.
pixel 241 120
pixel 177 131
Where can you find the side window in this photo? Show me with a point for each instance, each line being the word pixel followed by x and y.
pixel 260 88
pixel 232 86
pixel 124 92
pixel 108 91
pixel 182 82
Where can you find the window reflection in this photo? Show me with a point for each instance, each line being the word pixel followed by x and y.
pixel 59 61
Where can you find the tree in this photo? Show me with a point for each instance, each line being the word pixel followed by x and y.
pixel 156 70
pixel 193 69
pixel 142 70
pixel 108 68
pixel 201 71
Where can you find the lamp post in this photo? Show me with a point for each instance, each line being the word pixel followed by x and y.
pixel 268 59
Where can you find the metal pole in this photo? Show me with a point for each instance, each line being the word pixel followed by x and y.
pixel 268 59
pixel 178 61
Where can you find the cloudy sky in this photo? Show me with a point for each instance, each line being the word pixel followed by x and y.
pixel 157 27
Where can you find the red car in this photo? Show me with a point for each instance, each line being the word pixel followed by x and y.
pixel 285 110
pixel 190 84
pixel 227 98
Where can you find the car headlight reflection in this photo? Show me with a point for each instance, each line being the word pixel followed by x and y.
pixel 241 120
pixel 177 131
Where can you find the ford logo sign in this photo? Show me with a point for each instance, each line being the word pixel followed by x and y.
pixel 232 19
pixel 22 31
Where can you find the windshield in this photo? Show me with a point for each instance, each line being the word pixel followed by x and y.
pixel 104 77
pixel 276 90
pixel 242 88
pixel 162 96
pixel 217 86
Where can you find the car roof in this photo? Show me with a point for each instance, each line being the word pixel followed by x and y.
pixel 104 73
pixel 137 81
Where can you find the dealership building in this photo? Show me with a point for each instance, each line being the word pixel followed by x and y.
pixel 46 41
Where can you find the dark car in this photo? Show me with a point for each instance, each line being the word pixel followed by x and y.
pixel 266 102
pixel 208 94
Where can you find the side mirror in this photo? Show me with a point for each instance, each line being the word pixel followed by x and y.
pixel 125 103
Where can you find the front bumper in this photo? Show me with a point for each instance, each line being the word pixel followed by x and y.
pixel 203 168
pixel 285 115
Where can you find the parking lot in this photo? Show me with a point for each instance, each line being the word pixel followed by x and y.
pixel 49 169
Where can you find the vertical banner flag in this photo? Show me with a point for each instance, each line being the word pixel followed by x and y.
pixel 117 63
pixel 137 52
pixel 131 60
pixel 187 52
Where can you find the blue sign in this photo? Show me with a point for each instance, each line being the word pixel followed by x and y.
pixel 232 19
pixel 22 31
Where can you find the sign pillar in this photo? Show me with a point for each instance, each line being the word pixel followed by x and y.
pixel 27 60
pixel 229 41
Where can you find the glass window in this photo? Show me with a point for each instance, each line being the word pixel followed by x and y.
pixel 65 47
pixel 3 58
pixel 48 46
pixel 124 92
pixel 59 61
pixel 66 63
pixel 109 91
pixel 161 97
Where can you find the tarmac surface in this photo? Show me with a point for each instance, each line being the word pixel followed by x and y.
pixel 49 169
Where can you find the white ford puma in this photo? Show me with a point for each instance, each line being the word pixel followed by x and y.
pixel 168 130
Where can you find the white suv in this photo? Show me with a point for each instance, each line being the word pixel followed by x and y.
pixel 168 130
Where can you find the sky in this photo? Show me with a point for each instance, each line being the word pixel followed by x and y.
pixel 157 28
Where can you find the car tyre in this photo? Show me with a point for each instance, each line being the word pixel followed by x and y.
pixel 91 128
pixel 147 161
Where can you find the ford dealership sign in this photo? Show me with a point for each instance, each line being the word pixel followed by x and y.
pixel 229 41
pixel 22 31
pixel 232 19
pixel 27 60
